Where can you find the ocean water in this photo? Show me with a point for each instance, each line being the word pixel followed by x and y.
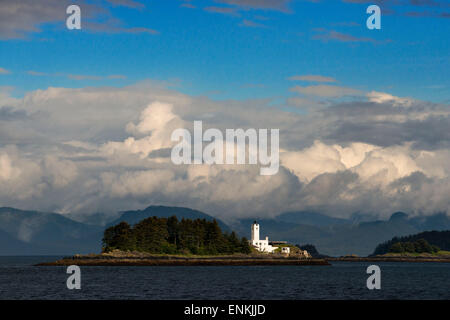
pixel 19 279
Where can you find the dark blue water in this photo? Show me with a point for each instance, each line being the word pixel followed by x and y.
pixel 19 279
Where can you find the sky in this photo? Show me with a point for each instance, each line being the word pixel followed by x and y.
pixel 363 114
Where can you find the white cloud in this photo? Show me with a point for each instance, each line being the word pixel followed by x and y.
pixel 20 177
pixel 156 116
pixel 105 149
pixel 374 165
pixel 157 123
pixel 381 97
pixel 61 172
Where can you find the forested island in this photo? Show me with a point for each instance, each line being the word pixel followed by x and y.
pixel 428 246
pixel 171 242
pixel 171 236
pixel 424 242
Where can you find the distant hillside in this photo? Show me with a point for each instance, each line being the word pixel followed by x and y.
pixel 133 217
pixel 96 219
pixel 33 232
pixel 10 246
pixel 440 239
pixel 435 222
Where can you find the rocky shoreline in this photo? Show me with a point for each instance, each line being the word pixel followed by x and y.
pixel 120 258
pixel 167 260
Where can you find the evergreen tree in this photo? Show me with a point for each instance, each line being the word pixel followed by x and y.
pixel 118 237
pixel 438 240
pixel 168 235
pixel 397 248
pixel 245 246
pixel 172 229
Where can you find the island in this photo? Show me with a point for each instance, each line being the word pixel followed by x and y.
pixel 170 242
pixel 427 246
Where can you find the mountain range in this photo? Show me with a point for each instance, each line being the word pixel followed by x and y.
pixel 42 233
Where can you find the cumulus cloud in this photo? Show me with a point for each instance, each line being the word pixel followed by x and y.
pixel 388 122
pixel 108 149
pixel 156 123
pixel 373 165
pixel 20 177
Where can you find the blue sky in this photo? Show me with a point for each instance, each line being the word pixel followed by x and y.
pixel 240 52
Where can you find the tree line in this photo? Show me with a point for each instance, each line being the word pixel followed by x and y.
pixel 419 246
pixel 171 236
pixel 433 239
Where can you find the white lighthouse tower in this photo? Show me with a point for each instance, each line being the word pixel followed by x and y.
pixel 261 245
pixel 255 232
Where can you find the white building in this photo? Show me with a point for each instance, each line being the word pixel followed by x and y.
pixel 266 246
pixel 286 250
pixel 259 244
